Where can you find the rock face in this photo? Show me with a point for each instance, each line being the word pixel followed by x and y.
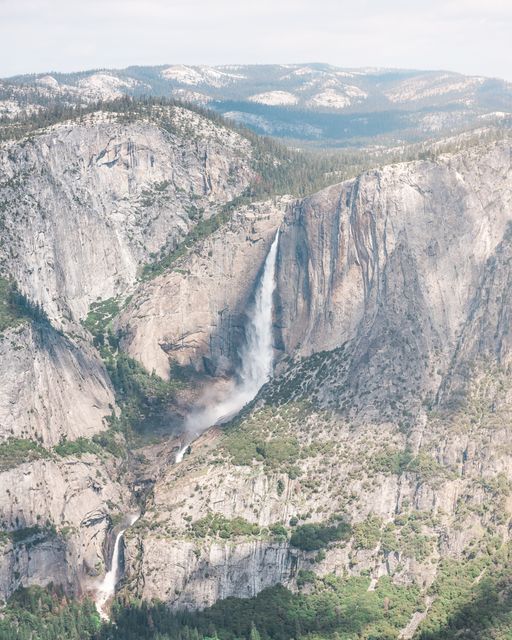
pixel 417 104
pixel 86 204
pixel 393 297
pixel 57 512
pixel 83 206
pixel 388 253
pixel 193 577
pixel 52 386
pixel 390 410
pixel 195 314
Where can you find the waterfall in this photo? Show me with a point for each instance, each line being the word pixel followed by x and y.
pixel 256 357
pixel 257 354
pixel 108 586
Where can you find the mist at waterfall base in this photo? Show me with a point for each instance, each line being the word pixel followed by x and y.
pixel 256 357
pixel 108 586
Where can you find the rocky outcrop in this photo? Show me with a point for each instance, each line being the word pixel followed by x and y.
pixel 56 513
pixel 192 576
pixel 392 300
pixel 382 263
pixel 51 386
pixel 85 203
pixel 195 313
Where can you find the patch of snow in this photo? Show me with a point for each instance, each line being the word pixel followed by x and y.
pixel 275 98
pixel 105 86
pixel 330 98
pixel 416 89
pixel 200 75
pixel 191 96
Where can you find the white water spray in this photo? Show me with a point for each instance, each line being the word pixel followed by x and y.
pixel 107 588
pixel 257 359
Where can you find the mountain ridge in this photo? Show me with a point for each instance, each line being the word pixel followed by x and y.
pixel 317 104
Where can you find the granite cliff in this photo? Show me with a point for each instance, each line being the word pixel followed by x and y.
pixel 380 447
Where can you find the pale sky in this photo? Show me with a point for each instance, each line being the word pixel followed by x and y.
pixel 469 36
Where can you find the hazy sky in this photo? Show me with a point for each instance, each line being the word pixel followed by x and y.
pixel 470 36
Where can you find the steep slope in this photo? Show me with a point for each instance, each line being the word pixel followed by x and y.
pixel 377 454
pixel 94 200
pixel 363 457
pixel 52 386
pixel 195 313
pixel 84 205
pixel 383 263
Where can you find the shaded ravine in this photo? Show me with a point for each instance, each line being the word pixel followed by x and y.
pixel 256 358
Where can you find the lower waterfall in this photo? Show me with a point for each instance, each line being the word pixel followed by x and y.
pixel 256 356
pixel 107 588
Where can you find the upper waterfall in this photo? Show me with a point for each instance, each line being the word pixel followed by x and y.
pixel 256 357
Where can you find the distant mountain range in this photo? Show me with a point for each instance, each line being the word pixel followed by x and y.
pixel 312 104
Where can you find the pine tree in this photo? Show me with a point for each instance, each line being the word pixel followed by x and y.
pixel 255 634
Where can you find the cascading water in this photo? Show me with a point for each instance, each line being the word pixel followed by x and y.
pixel 257 358
pixel 256 368
pixel 107 588
pixel 258 354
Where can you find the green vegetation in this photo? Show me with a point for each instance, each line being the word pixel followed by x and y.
pixel 100 316
pixel 201 230
pixel 21 536
pixel 47 614
pixel 332 605
pixel 77 447
pixel 423 465
pixel 143 397
pixel 15 451
pixel 315 536
pixel 471 598
pixel 392 461
pixel 110 441
pixel 332 608
pixel 265 436
pixel 367 533
pixel 15 307
pixel 407 535
pixel 216 525
pixel 9 315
